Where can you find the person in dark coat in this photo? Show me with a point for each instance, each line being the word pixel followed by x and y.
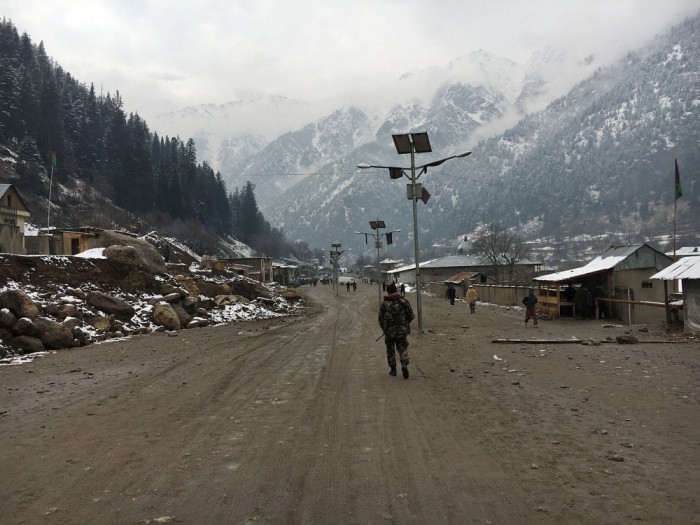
pixel 530 303
pixel 583 300
pixel 395 316
pixel 451 294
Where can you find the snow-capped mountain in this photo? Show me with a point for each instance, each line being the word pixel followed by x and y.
pixel 560 146
pixel 598 160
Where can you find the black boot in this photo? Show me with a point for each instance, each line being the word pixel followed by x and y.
pixel 392 372
pixel 404 371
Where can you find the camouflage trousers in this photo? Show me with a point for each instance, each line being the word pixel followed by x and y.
pixel 393 345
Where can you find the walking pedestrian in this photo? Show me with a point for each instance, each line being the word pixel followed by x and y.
pixel 530 312
pixel 451 294
pixel 472 298
pixel 395 316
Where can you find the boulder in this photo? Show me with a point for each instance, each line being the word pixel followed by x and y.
pixel 211 289
pixel 100 323
pixel 122 258
pixel 198 322
pixel 168 289
pixel 61 310
pixel 5 334
pixel 71 322
pixel 182 314
pixel 249 289
pixel 27 344
pixel 148 255
pixel 164 315
pixel 222 300
pixel 188 284
pixel 7 318
pixel 190 305
pixel 54 335
pixel 79 336
pixel 626 339
pixel 111 305
pixel 291 295
pixel 75 292
pixel 19 303
pixel 25 326
pixel 172 298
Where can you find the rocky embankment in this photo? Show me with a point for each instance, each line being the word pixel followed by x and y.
pixel 55 302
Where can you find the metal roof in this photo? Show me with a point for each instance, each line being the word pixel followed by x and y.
pixel 686 251
pixel 685 268
pixel 609 259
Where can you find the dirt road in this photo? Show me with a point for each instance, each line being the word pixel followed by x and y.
pixel 297 421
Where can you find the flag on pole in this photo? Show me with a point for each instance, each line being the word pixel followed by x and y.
pixel 679 190
pixel 53 158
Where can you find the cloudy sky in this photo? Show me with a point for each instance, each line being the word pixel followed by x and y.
pixel 165 55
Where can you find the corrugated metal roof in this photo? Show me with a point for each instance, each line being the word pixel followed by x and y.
pixel 685 268
pixel 455 261
pixel 686 251
pixel 610 258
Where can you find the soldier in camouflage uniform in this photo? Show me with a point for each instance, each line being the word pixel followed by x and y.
pixel 395 316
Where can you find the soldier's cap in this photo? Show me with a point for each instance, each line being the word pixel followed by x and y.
pixel 391 288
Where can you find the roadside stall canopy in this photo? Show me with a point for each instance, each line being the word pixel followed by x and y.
pixel 687 270
pixel 607 260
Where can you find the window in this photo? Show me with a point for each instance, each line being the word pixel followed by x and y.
pixel 647 284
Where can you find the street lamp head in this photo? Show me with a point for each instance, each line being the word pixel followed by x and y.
pixel 364 166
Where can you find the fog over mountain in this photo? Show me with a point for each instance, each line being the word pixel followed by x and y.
pixel 561 147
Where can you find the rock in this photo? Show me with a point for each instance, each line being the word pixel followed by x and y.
pixel 80 336
pixel 75 292
pixel 249 289
pixel 198 322
pixel 164 315
pixel 5 334
pixel 19 303
pixel 291 295
pixel 61 310
pixel 171 297
pixel 25 326
pixel 222 300
pixel 211 289
pixel 100 323
pixel 111 305
pixel 190 305
pixel 182 315
pixel 168 288
pixel 71 322
pixel 7 318
pixel 54 335
pixel 626 339
pixel 188 284
pixel 27 344
pixel 146 254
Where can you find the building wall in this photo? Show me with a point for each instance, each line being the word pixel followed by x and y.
pixel 11 239
pixel 691 305
pixel 654 291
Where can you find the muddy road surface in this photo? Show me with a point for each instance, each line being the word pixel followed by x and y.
pixel 296 420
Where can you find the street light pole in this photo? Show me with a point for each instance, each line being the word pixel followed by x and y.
pixel 414 194
pixel 414 143
pixel 377 225
pixel 335 256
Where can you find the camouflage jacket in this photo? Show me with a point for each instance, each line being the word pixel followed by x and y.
pixel 395 316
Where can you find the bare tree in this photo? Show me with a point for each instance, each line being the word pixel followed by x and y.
pixel 499 246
